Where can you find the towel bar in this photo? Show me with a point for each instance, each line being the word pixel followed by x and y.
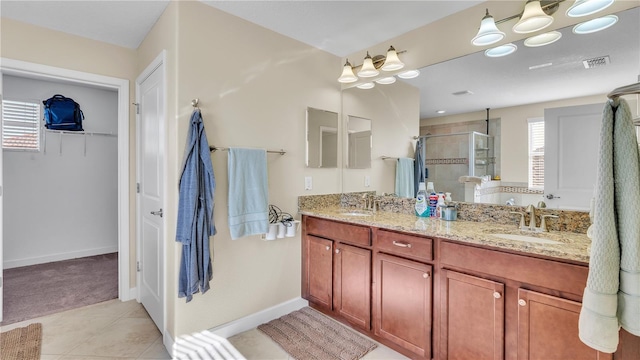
pixel 216 148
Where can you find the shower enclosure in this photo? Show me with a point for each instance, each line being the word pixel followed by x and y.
pixel 449 156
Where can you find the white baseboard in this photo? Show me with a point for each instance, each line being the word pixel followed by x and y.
pixel 131 295
pixel 8 264
pixel 251 321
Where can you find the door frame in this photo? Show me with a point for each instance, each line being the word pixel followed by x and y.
pixel 159 63
pixel 121 86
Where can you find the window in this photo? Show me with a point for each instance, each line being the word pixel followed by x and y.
pixel 536 153
pixel 20 125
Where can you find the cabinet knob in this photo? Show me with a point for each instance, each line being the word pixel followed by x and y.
pixel 496 295
pixel 425 275
pixel 337 251
pixel 521 302
pixel 328 248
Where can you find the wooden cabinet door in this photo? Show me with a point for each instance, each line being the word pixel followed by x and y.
pixel 548 328
pixel 318 264
pixel 472 317
pixel 352 284
pixel 403 303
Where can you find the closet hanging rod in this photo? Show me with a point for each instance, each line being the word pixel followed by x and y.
pixel 390 158
pixel 216 148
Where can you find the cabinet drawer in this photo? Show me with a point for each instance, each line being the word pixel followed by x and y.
pixel 546 273
pixel 405 245
pixel 346 233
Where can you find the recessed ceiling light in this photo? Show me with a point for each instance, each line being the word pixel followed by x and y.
pixel 543 39
pixel 410 74
pixel 502 50
pixel 440 111
pixel 386 80
pixel 366 86
pixel 595 25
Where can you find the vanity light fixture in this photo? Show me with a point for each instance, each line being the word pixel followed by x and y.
pixel 387 80
pixel 543 39
pixel 502 50
pixel 587 7
pixel 595 25
pixel 409 74
pixel 368 69
pixel 347 74
pixel 366 86
pixel 488 33
pixel 533 18
pixel 371 68
pixel 392 61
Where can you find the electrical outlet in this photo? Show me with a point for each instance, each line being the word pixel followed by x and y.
pixel 308 183
pixel 367 181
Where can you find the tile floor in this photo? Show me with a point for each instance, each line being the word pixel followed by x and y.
pixel 123 330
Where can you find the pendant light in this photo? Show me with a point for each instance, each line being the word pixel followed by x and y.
pixel 347 74
pixel 543 39
pixel 595 25
pixel 368 70
pixel 392 62
pixel 366 86
pixel 502 50
pixel 488 33
pixel 587 7
pixel 533 18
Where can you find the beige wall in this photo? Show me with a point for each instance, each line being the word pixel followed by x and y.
pixel 514 130
pixel 394 111
pixel 254 88
pixel 38 45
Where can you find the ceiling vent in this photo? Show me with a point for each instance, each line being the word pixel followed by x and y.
pixel 596 62
pixel 463 92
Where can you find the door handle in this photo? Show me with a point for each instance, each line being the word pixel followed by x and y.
pixel 157 213
pixel 551 196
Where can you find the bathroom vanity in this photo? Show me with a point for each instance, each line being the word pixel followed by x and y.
pixel 450 290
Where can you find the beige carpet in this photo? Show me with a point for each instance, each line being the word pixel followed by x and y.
pixel 22 343
pixel 307 334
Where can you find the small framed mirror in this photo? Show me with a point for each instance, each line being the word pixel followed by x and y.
pixel 322 139
pixel 359 142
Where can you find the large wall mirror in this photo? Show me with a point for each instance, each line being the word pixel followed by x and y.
pixel 322 139
pixel 520 86
pixel 359 142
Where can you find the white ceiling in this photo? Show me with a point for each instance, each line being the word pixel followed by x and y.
pixel 345 27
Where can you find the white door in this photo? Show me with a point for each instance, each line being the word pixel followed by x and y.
pixel 572 142
pixel 150 138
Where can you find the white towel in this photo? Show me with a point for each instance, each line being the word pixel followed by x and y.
pixel 404 178
pixel 612 296
pixel 248 192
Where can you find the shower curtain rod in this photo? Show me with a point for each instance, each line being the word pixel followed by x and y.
pixel 216 148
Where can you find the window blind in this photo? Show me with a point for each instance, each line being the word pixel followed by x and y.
pixel 536 153
pixel 20 125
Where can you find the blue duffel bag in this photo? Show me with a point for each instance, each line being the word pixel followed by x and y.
pixel 62 113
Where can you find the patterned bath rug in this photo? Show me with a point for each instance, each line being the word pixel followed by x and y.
pixel 306 334
pixel 22 343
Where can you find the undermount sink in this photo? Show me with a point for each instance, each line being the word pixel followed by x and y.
pixel 531 239
pixel 355 213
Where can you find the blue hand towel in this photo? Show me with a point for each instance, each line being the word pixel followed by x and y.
pixel 248 192
pixel 404 177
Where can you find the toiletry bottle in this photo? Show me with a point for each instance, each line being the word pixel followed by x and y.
pixel 439 205
pixel 422 208
pixel 447 197
pixel 433 204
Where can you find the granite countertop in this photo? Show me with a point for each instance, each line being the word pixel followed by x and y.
pixel 570 246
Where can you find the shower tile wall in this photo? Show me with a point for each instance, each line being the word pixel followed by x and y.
pixel 446 157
